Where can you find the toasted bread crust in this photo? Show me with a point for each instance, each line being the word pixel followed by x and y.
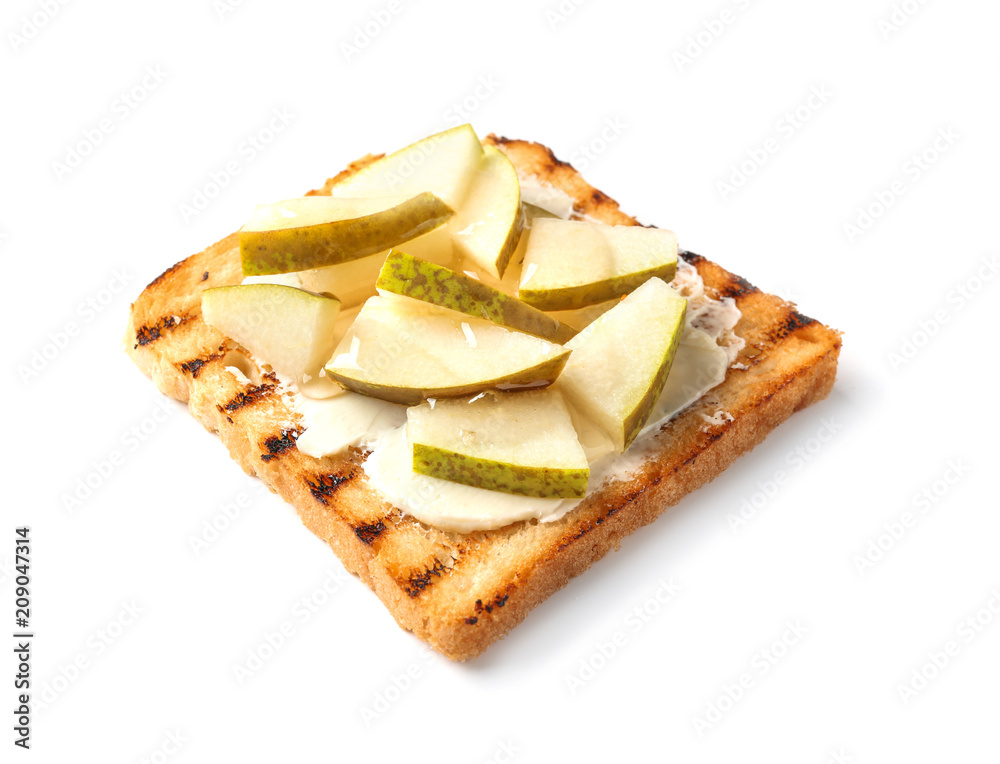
pixel 462 592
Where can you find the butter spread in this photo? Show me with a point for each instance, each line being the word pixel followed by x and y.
pixel 334 424
pixel 548 198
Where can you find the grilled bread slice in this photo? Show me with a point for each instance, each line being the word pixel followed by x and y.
pixel 462 592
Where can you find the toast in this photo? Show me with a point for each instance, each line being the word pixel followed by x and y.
pixel 462 592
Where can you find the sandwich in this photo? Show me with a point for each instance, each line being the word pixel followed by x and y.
pixel 471 373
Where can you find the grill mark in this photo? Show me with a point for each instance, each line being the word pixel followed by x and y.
pixel 691 257
pixel 599 197
pixel 150 333
pixel 793 321
pixel 551 160
pixel 166 273
pixel 418 583
pixel 195 365
pixel 632 497
pixel 714 435
pixel 249 397
pixel 368 533
pixel 204 276
pixel 737 286
pixel 327 485
pixel 497 602
pixel 278 444
pixel 582 531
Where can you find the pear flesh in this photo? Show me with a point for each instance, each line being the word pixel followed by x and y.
pixel 290 329
pixel 571 264
pixel 521 443
pixel 479 183
pixel 404 351
pixel 620 362
pixel 317 231
pixel 487 225
pixel 352 282
pixel 410 276
pixel 444 164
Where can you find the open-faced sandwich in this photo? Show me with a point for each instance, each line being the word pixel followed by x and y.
pixel 471 373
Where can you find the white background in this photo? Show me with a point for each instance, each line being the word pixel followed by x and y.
pixel 601 83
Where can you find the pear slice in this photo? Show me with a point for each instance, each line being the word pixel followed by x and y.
pixel 404 351
pixel 571 264
pixel 521 443
pixel 580 318
pixel 287 328
pixel 421 280
pixel 512 275
pixel 487 225
pixel 352 282
pixel 446 505
pixel 620 362
pixel 444 164
pixel 315 231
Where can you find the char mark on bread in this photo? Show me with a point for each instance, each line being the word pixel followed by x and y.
pixel 323 487
pixel 278 444
pixel 418 583
pixel 159 279
pixel 792 322
pixel 150 333
pixel 369 532
pixel 736 287
pixel 499 601
pixel 551 160
pixel 195 365
pixel 249 397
